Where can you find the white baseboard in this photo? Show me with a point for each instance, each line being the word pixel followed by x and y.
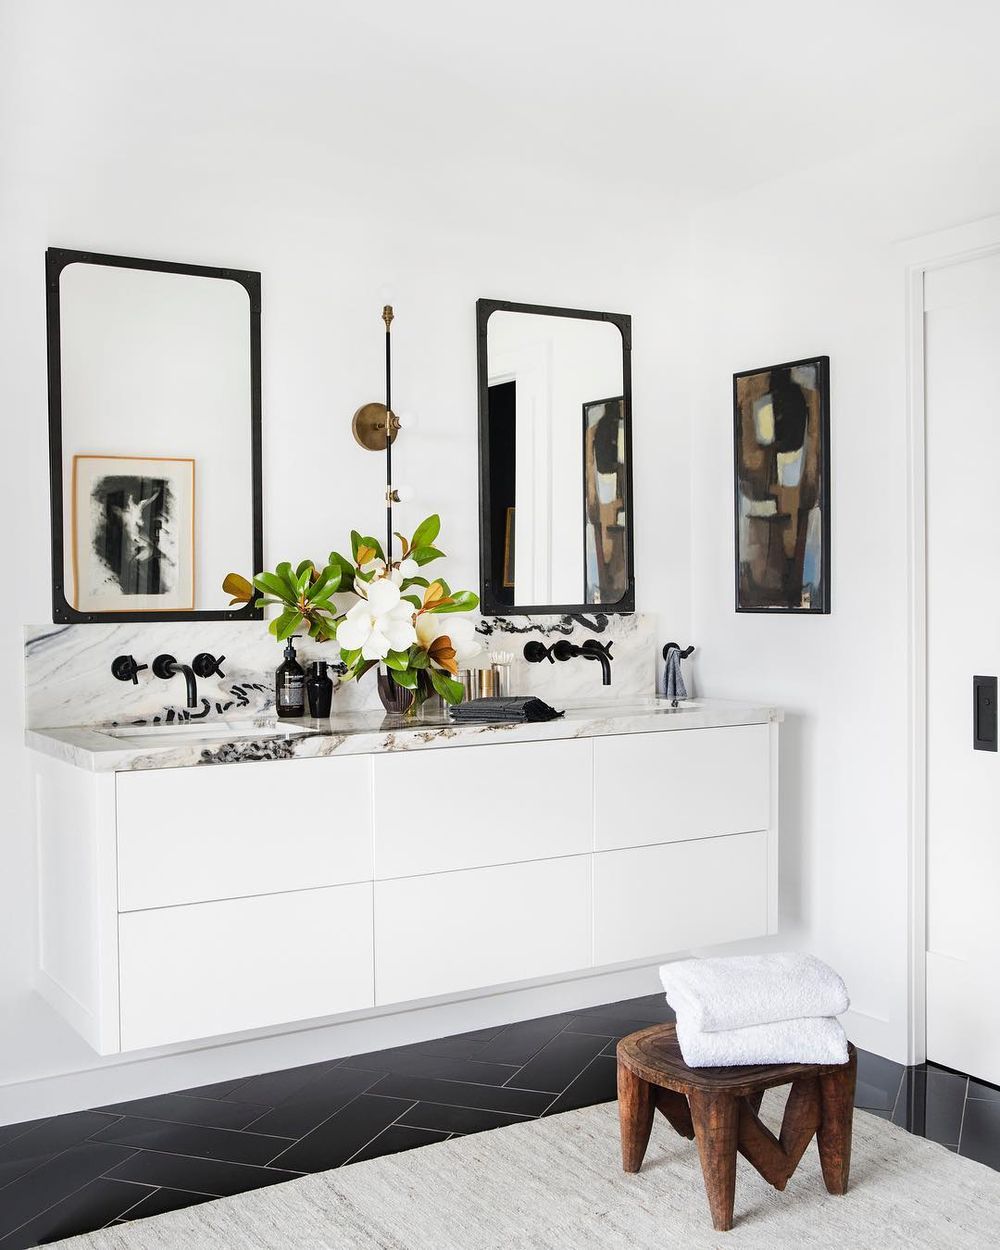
pixel 139 1077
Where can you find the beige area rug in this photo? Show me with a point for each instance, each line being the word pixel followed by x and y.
pixel 558 1184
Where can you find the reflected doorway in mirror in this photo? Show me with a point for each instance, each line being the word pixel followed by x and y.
pixel 605 564
pixel 133 533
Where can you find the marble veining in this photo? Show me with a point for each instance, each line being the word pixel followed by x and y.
pixel 68 677
pixel 364 733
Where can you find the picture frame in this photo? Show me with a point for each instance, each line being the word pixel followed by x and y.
pixel 605 495
pixel 781 444
pixel 133 533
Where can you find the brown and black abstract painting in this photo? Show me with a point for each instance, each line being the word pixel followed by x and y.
pixel 782 435
pixel 604 507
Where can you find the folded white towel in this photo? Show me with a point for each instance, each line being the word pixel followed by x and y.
pixel 820 1040
pixel 714 994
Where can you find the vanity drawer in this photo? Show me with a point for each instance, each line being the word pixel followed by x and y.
pixel 656 900
pixel 212 968
pixel 651 788
pixel 488 926
pixel 437 811
pixel 190 834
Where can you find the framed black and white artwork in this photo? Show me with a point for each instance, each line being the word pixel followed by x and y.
pixel 133 534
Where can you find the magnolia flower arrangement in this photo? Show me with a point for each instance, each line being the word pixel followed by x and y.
pixel 401 619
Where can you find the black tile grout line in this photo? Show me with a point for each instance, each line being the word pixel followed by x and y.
pixel 179 1154
pixel 384 1130
pixel 377 1075
pixel 961 1123
pixel 213 1128
pixel 514 1069
pixel 327 1119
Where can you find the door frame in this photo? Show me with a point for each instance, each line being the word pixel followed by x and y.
pixel 919 256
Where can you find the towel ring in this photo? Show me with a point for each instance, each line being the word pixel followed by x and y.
pixel 684 653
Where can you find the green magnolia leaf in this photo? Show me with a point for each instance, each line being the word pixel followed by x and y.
pixel 302 580
pixel 426 531
pixel 461 601
pixel 284 571
pixel 326 585
pixel 289 622
pixel 368 664
pixel 405 678
pixel 450 691
pixel 356 543
pixel 398 660
pixel 414 600
pixel 272 584
pixel 424 555
pixel 419 658
pixel 347 569
pixel 350 658
pixel 407 582
pixel 304 566
pixel 375 545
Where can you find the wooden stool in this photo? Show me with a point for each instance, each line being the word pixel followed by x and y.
pixel 718 1108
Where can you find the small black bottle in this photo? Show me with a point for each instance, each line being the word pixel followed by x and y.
pixel 289 684
pixel 319 688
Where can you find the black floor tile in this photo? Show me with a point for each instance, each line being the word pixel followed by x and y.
pixel 931 1103
pixel 183 1109
pixel 520 1042
pixel 8 1132
pixel 419 1063
pixel 271 1089
pixel 602 1025
pixel 980 1138
pixel 219 1090
pixel 558 1063
pixel 596 1083
pixel 878 1081
pixel 489 1097
pixel 93 1206
pixel 652 1008
pixel 611 1048
pixel 315 1102
pixel 162 1200
pixel 461 1045
pixel 56 1179
pixel 203 1176
pixel 448 1119
pixel 395 1139
pixel 341 1136
pixel 980 1089
pixel 26 1151
pixel 192 1139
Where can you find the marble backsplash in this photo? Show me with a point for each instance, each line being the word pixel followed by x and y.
pixel 68 678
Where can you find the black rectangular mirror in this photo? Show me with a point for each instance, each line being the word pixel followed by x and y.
pixel 555 460
pixel 154 436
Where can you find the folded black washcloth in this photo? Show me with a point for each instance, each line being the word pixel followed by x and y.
pixel 514 708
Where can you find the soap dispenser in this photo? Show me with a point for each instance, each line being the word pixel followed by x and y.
pixel 289 684
pixel 319 688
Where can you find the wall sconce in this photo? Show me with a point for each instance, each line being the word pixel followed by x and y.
pixel 375 427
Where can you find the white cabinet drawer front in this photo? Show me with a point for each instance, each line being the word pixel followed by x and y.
pixel 191 834
pixel 656 900
pixel 462 930
pixel 213 968
pixel 687 783
pixel 437 811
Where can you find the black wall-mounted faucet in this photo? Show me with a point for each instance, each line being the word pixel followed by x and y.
pixel 166 666
pixel 536 652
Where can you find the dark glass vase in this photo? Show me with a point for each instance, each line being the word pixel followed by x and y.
pixel 395 699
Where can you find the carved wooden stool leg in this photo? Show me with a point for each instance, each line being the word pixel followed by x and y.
pixel 635 1113
pixel 716 1123
pixel 835 1131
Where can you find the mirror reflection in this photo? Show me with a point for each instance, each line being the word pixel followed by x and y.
pixel 556 472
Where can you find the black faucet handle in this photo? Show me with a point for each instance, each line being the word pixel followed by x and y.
pixel 206 665
pixel 535 651
pixel 593 647
pixel 125 668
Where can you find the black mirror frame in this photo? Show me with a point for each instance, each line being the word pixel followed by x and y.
pixel 489 605
pixel 56 260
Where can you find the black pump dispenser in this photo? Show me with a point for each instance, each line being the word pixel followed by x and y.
pixel 319 688
pixel 289 684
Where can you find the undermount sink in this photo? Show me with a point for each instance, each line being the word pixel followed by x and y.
pixel 218 731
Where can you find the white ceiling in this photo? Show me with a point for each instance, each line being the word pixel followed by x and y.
pixel 680 100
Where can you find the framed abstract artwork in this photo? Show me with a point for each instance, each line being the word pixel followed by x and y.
pixel 133 534
pixel 604 500
pixel 782 455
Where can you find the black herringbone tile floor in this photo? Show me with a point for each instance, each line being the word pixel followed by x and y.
pixel 73 1173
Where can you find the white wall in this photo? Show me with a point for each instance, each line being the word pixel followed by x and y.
pixel 794 268
pixel 204 141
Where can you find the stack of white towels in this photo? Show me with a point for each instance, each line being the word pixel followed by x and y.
pixel 757 1009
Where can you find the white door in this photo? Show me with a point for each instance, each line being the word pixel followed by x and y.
pixel 962 335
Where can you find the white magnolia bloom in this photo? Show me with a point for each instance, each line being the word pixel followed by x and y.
pixel 405 568
pixel 379 624
pixel 464 640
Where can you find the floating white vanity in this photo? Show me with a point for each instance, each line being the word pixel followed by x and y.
pixel 196 887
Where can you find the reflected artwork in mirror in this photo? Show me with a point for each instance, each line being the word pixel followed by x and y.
pixel 555 460
pixel 154 436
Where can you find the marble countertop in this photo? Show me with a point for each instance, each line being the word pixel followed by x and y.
pixel 99 748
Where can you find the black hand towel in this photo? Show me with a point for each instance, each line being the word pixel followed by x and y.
pixel 514 708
